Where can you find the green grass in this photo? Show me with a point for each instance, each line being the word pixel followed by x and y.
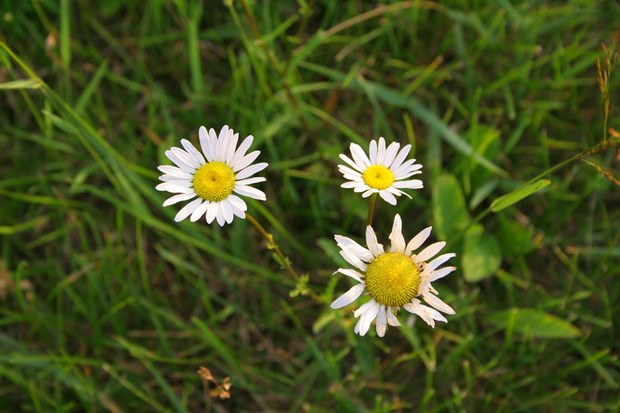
pixel 107 305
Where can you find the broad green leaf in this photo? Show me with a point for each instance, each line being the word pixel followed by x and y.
pixel 482 254
pixel 515 238
pixel 534 323
pixel 449 211
pixel 518 194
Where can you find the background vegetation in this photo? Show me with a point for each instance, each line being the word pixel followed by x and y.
pixel 107 305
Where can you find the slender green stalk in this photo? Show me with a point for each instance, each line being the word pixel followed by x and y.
pixel 271 244
pixel 371 208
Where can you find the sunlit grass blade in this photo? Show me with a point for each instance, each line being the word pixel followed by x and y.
pixel 518 194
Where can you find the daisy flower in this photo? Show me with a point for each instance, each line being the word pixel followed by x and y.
pixel 212 178
pixel 393 278
pixel 384 171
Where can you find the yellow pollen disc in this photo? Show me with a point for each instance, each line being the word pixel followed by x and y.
pixel 392 279
pixel 214 181
pixel 378 177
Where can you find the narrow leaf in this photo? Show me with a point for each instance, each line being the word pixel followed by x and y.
pixel 22 84
pixel 518 194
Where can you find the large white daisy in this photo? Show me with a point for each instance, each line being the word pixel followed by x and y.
pixel 212 176
pixel 393 278
pixel 384 171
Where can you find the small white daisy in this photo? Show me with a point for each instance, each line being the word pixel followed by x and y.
pixel 384 171
pixel 212 178
pixel 393 278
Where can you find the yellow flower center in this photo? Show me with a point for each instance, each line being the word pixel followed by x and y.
pixel 392 279
pixel 378 177
pixel 214 181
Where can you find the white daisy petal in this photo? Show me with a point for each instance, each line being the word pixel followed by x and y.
pixel 388 197
pixel 391 318
pixel 237 202
pixel 212 144
pixel 436 315
pixel 368 317
pixel 211 212
pixel 353 247
pixel 228 210
pixel 222 142
pixel 251 170
pixel 185 157
pixel 243 148
pixel 418 240
pixel 353 185
pixel 381 151
pixel 172 178
pixel 355 178
pixel 400 157
pixel 238 212
pixel 219 214
pixel 397 192
pixel 250 181
pixel 230 153
pixel 175 187
pixel 351 163
pixel 179 162
pixel 348 171
pixel 429 252
pixel 404 167
pixel 203 137
pixel 175 171
pixel 437 274
pixel 245 161
pixel 372 151
pixel 199 212
pixel 363 308
pixel 438 303
pixel 178 198
pixel 351 273
pixel 347 298
pixel 405 174
pixel 356 330
pixel 359 156
pixel 187 145
pixel 413 184
pixel 381 321
pixel 371 240
pixel 438 261
pixel 396 236
pixel 353 260
pixel 250 192
pixel 421 310
pixel 187 210
pixel 390 154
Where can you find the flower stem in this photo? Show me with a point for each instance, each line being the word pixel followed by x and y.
pixel 371 209
pixel 286 262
